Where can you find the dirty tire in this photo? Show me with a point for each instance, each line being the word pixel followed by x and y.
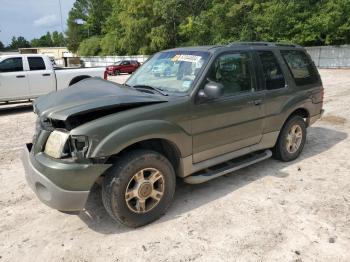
pixel 280 151
pixel 118 179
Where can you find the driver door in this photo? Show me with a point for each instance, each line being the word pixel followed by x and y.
pixel 235 120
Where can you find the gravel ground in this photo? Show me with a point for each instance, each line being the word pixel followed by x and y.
pixel 272 211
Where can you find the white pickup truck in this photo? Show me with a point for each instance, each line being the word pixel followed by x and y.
pixel 30 76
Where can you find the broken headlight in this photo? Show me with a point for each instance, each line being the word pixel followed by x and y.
pixel 62 145
pixel 79 146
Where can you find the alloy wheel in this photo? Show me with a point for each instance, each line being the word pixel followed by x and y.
pixel 145 190
pixel 294 139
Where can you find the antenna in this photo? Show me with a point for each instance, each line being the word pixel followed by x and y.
pixel 59 2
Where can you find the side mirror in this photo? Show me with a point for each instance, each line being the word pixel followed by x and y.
pixel 211 90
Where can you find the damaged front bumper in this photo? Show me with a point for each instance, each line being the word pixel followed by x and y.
pixel 60 185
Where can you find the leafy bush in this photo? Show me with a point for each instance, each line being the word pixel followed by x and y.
pixel 90 46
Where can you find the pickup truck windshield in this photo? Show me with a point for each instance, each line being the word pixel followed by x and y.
pixel 171 71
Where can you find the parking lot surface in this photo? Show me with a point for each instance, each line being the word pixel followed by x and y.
pixel 271 211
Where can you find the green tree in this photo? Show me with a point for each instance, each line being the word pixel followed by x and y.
pixel 304 22
pixel 113 31
pixel 85 20
pixel 58 39
pixel 76 29
pixel 2 47
pixel 147 26
pixel 171 15
pixel 49 40
pixel 90 46
pixel 43 41
pixel 136 23
pixel 18 42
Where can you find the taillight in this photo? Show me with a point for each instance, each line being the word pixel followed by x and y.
pixel 105 75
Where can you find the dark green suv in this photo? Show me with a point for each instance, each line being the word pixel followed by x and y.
pixel 208 111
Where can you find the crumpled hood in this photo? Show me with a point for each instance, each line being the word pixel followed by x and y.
pixel 93 94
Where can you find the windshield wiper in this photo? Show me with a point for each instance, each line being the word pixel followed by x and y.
pixel 160 91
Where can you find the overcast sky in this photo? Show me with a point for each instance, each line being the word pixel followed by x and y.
pixel 31 18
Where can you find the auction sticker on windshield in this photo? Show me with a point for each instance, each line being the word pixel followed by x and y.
pixel 186 58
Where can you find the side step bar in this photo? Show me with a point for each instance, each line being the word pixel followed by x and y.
pixel 227 167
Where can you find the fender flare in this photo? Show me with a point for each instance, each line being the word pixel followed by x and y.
pixel 289 110
pixel 139 131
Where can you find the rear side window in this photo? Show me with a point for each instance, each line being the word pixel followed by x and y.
pixel 273 75
pixel 301 67
pixel 36 63
pixel 14 64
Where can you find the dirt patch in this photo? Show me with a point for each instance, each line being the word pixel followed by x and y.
pixel 335 120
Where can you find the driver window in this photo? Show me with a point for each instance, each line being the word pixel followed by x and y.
pixel 233 71
pixel 14 64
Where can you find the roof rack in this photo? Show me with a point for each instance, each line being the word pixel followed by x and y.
pixel 263 44
pixel 214 46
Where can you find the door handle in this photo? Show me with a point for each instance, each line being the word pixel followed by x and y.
pixel 255 102
pixel 46 74
pixel 21 76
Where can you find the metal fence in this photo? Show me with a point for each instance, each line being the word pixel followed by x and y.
pixel 330 56
pixel 323 56
pixel 95 61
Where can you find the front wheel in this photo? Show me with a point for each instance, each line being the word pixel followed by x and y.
pixel 139 188
pixel 291 140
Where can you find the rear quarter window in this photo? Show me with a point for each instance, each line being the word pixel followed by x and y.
pixel 301 67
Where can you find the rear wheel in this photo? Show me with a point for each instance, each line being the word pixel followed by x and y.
pixel 139 188
pixel 291 140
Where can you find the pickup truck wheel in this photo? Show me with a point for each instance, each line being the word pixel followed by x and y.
pixel 291 140
pixel 139 188
pixel 116 72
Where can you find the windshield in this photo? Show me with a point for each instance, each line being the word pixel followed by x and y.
pixel 171 71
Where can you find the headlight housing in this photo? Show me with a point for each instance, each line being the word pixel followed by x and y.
pixel 79 146
pixel 62 145
pixel 55 144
